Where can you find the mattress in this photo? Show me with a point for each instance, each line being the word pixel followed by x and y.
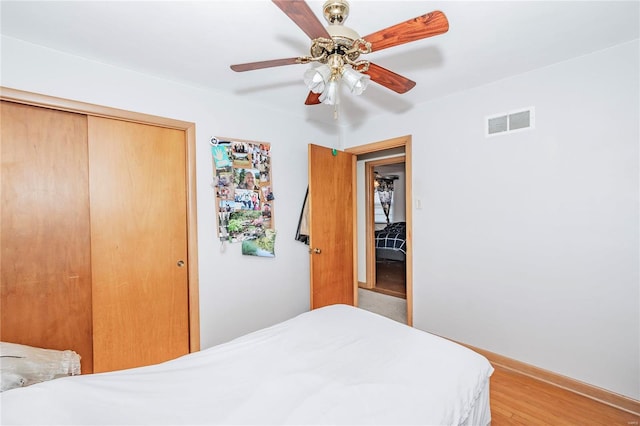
pixel 335 365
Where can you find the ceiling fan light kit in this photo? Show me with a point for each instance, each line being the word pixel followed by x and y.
pixel 356 82
pixel 330 95
pixel 317 77
pixel 336 49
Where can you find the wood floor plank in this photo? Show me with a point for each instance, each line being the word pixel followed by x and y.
pixel 391 278
pixel 517 399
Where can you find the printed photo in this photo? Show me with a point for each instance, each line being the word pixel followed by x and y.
pixel 247 199
pixel 263 246
pixel 244 225
pixel 220 156
pixel 267 195
pixel 224 184
pixel 246 179
pixel 227 206
pixel 241 154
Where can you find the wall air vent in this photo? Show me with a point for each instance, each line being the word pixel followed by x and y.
pixel 510 122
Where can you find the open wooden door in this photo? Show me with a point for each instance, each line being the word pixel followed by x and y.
pixel 332 224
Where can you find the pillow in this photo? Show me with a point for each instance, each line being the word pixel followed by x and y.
pixel 9 380
pixel 24 365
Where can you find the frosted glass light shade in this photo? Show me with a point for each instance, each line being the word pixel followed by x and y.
pixel 316 78
pixel 330 94
pixel 356 81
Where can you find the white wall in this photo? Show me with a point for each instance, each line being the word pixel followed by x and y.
pixel 527 244
pixel 238 293
pixel 399 199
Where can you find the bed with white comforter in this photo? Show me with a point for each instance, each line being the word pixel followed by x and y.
pixel 337 365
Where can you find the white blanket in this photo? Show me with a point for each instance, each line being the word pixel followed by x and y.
pixel 334 365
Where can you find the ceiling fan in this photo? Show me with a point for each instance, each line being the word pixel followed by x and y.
pixel 336 49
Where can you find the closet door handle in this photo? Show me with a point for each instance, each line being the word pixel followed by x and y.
pixel 180 263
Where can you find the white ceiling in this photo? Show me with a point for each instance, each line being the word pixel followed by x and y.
pixel 195 42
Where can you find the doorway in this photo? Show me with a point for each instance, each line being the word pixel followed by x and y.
pixel 385 211
pixel 384 157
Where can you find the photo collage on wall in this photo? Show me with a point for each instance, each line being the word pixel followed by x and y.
pixel 244 197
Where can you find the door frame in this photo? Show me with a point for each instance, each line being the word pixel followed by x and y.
pixel 378 147
pixel 45 101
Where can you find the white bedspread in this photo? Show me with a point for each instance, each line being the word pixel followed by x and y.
pixel 334 365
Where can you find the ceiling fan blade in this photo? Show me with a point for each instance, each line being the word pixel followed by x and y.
pixel 312 99
pixel 264 64
pixel 300 13
pixel 389 79
pixel 427 25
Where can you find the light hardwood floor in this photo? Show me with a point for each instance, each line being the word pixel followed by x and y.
pixel 517 399
pixel 390 279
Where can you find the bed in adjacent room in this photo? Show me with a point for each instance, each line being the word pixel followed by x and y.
pixel 391 242
pixel 334 365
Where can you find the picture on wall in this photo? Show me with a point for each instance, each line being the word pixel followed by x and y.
pixel 244 194
pixel 263 246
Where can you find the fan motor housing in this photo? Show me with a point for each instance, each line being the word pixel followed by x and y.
pixel 340 45
pixel 335 11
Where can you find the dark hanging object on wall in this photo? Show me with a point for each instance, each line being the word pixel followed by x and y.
pixel 384 188
pixel 302 233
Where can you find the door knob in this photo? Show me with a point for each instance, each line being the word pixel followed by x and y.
pixel 315 250
pixel 180 263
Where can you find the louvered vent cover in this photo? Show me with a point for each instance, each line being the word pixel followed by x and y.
pixel 509 122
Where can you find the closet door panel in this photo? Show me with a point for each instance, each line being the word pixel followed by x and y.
pixel 139 243
pixel 45 241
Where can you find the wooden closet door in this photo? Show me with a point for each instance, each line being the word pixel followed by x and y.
pixel 45 243
pixel 138 243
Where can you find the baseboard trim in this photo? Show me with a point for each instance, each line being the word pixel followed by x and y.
pixel 604 396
